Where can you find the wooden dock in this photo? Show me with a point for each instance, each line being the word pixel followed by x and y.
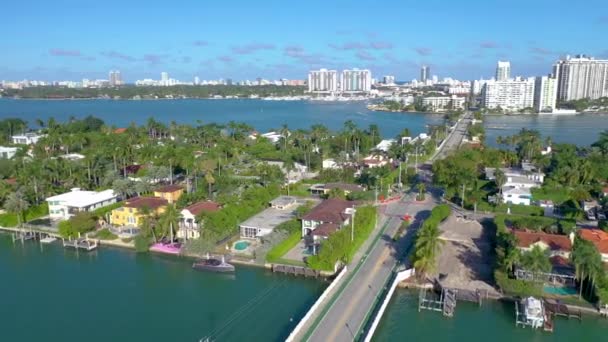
pixel 84 244
pixel 555 308
pixel 295 270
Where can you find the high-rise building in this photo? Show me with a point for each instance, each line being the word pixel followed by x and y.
pixel 323 80
pixel 503 70
pixel 513 94
pixel 115 78
pixel 425 71
pixel 581 77
pixel 545 94
pixel 197 81
pixel 164 78
pixel 356 80
pixel 388 79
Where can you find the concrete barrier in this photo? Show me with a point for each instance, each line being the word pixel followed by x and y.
pixel 316 306
pixel 401 276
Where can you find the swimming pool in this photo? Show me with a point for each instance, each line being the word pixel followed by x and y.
pixel 241 245
pixel 560 291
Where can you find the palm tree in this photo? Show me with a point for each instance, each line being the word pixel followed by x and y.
pixel 421 191
pixel 170 219
pixel 501 180
pixel 536 260
pixel 427 248
pixel 15 203
pixel 602 142
pixel 587 263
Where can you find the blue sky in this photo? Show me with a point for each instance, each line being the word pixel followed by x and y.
pixel 247 39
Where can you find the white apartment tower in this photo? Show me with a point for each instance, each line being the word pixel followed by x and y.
pixel 323 81
pixel 545 94
pixel 511 95
pixel 425 71
pixel 356 80
pixel 503 70
pixel 581 77
pixel 115 78
pixel 389 79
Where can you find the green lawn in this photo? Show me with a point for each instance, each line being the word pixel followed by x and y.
pixel 557 195
pixel 276 253
pixel 10 219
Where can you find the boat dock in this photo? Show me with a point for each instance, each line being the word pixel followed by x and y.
pixel 555 308
pixel 85 244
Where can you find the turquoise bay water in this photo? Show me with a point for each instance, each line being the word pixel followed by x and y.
pixel 265 115
pixel 494 321
pixel 117 295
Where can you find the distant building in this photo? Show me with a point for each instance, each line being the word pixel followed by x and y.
pixel 425 71
pixel 503 71
pixel 7 152
pixel 388 80
pixel 439 103
pixel 164 78
pixel 545 94
pixel 170 193
pixel 356 80
pixel 197 80
pixel 581 77
pixel 26 139
pixel 115 78
pixel 323 81
pixel 512 94
pixel 64 206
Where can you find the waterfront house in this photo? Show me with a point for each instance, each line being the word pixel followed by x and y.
pixel 171 193
pixel 326 218
pixel 64 206
pixel 375 160
pixel 27 138
pixel 298 173
pixel 557 245
pixel 7 152
pixel 516 196
pixel 130 214
pixel 189 224
pixel 281 209
pixel 598 238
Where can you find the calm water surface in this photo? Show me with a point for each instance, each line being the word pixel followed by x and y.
pixel 116 295
pixel 265 115
pixel 494 322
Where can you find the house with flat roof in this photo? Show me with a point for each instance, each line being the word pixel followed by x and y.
pixel 27 138
pixel 518 182
pixel 64 206
pixel 8 152
pixel 598 238
pixel 189 225
pixel 171 193
pixel 326 218
pixel 130 214
pixel 282 209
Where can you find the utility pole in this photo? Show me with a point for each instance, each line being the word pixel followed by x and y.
pixel 399 173
pixel 352 225
pixel 462 199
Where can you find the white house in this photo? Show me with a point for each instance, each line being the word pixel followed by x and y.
pixel 189 225
pixel 385 145
pixel 62 207
pixel 518 182
pixel 27 138
pixel 7 152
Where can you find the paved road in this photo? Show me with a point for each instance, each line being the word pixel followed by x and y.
pixel 344 319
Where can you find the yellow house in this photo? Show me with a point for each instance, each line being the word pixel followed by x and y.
pixel 171 193
pixel 130 213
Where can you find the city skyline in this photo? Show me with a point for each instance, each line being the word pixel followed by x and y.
pixel 240 41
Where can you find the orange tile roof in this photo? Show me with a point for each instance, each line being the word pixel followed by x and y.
pixel 203 206
pixel 555 242
pixel 150 202
pixel 120 130
pixel 596 236
pixel 169 188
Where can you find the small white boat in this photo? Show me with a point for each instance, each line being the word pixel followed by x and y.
pixel 48 239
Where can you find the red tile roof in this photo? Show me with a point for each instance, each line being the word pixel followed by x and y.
pixel 120 130
pixel 133 169
pixel 555 242
pixel 325 229
pixel 203 206
pixel 169 188
pixel 141 202
pixel 596 236
pixel 330 211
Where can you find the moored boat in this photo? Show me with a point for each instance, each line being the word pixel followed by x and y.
pixel 213 265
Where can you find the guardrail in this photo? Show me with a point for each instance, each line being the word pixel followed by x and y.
pixel 316 305
pixel 401 276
